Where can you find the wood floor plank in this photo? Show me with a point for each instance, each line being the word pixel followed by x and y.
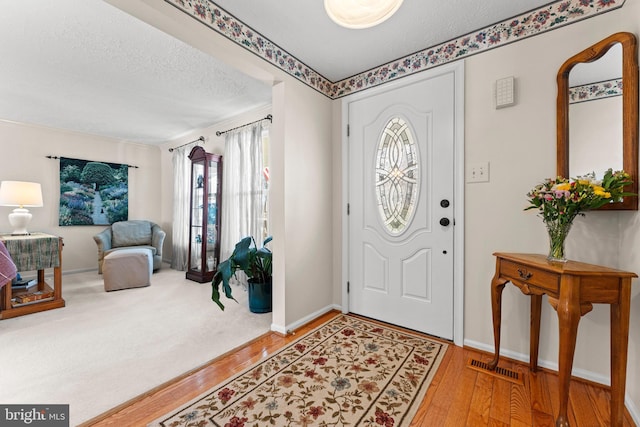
pixel 457 394
pixel 439 407
pixel 600 401
pixel 542 419
pixel 520 399
pixel 496 423
pixel 462 397
pixel 501 398
pixel 539 392
pixel 436 382
pixel 481 400
pixel 582 406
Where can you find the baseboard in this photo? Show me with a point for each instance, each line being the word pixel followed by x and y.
pixel 298 323
pixel 80 270
pixel 579 373
pixel 634 411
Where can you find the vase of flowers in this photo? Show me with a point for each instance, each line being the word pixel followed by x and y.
pixel 560 200
pixel 558 232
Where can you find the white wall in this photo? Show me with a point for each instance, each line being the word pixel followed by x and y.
pixel 307 201
pixel 24 151
pixel 520 142
pixel 301 166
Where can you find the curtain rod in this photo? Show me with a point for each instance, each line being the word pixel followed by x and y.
pixel 195 140
pixel 267 117
pixel 56 158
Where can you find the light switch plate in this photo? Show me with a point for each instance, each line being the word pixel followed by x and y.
pixel 478 172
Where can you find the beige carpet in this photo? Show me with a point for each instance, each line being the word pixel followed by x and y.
pixel 103 349
pixel 347 372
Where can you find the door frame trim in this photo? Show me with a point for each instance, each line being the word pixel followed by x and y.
pixel 457 68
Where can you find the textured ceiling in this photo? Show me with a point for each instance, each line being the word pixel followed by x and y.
pixel 87 66
pixel 305 30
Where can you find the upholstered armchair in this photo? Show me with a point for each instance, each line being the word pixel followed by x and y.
pixel 131 234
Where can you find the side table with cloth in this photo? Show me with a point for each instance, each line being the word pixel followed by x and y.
pixel 33 252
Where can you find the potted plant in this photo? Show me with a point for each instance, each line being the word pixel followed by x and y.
pixel 256 264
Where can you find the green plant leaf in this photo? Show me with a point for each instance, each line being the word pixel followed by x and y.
pixel 255 263
pixel 215 296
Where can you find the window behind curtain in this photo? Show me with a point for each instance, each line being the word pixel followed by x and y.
pixel 245 187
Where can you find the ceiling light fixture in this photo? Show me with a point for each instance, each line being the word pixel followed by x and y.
pixel 360 13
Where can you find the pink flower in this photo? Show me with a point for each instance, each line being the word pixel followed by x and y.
pixel 236 422
pixel 384 419
pixel 320 361
pixel 225 394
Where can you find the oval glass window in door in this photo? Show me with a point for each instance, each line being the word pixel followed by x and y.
pixel 397 176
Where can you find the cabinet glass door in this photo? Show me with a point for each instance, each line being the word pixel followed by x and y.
pixel 212 216
pixel 197 208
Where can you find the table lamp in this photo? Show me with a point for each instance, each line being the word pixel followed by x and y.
pixel 20 194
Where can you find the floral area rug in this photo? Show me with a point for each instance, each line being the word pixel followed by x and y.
pixel 347 372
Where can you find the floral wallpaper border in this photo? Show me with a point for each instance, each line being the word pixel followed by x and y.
pixel 593 91
pixel 549 17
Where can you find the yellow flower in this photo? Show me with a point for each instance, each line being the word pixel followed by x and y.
pixel 584 182
pixel 599 191
pixel 563 187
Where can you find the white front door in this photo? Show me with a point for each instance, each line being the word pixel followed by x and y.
pixel 401 203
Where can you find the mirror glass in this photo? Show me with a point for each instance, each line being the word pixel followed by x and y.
pixel 595 115
pixel 597 112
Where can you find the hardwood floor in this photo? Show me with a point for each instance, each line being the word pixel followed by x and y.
pixel 458 395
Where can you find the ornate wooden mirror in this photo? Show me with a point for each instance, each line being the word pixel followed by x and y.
pixel 601 123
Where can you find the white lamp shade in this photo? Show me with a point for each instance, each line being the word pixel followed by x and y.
pixel 20 193
pixel 360 13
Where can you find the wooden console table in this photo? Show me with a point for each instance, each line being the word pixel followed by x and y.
pixel 572 288
pixel 33 252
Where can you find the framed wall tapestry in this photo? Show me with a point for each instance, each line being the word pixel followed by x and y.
pixel 93 193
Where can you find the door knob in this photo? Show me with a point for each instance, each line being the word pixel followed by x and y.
pixel 444 222
pixel 444 203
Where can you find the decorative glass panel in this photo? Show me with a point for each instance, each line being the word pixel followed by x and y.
pixel 397 176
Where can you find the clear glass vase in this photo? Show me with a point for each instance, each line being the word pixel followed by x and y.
pixel 558 232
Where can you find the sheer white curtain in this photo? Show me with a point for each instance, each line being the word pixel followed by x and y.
pixel 181 200
pixel 242 188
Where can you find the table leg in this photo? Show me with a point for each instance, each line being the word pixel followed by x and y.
pixel 57 274
pixel 568 319
pixel 41 280
pixel 6 297
pixel 497 286
pixel 619 347
pixel 534 339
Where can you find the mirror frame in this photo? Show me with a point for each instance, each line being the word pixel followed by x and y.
pixel 629 110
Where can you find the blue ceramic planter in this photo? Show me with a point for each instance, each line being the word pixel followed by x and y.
pixel 259 297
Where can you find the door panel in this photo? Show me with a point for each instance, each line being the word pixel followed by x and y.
pixel 400 168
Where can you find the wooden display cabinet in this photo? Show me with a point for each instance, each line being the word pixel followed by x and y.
pixel 204 224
